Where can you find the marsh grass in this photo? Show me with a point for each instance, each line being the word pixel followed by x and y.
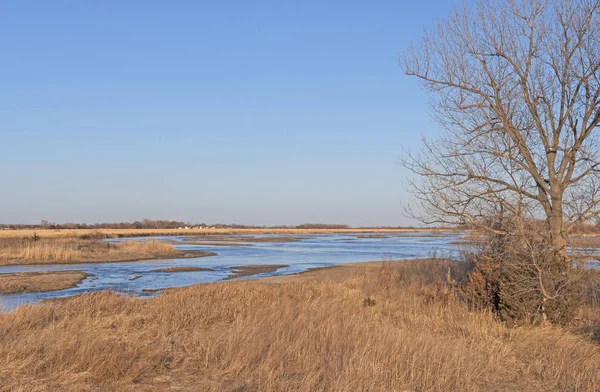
pixel 311 333
pixel 121 233
pixel 35 282
pixel 72 250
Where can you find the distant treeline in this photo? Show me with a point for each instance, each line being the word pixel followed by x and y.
pixel 167 224
pixel 144 224
pixel 582 228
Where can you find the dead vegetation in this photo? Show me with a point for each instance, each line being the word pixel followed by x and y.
pixel 125 233
pixel 41 250
pixel 585 241
pixel 378 327
pixel 518 275
pixel 35 282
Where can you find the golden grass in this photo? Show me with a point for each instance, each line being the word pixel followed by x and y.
pixel 318 333
pixel 75 250
pixel 585 241
pixel 34 282
pixel 113 233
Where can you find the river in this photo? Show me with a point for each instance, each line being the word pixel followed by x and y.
pixel 312 251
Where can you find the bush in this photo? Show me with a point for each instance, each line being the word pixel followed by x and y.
pixel 522 279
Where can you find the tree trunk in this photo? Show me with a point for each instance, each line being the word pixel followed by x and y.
pixel 558 240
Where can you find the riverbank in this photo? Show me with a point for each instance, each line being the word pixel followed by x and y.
pixel 37 282
pixel 73 250
pixel 367 326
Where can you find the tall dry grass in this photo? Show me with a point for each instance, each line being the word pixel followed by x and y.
pixel 119 233
pixel 70 250
pixel 35 282
pixel 361 328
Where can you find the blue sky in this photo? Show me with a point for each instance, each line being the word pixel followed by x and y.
pixel 250 112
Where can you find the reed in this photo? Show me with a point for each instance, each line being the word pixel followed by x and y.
pixel 115 233
pixel 35 282
pixel 76 250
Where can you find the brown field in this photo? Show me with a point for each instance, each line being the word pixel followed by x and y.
pixel 35 282
pixel 376 327
pixel 585 241
pixel 68 250
pixel 114 233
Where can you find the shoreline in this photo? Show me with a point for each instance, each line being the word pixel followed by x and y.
pixel 245 271
pixel 66 279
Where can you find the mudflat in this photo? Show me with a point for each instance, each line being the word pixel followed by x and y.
pixel 249 270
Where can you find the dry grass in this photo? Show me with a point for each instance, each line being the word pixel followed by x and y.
pixel 588 320
pixel 76 250
pixel 378 327
pixel 114 233
pixel 585 241
pixel 35 282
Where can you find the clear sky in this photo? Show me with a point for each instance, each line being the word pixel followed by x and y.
pixel 253 112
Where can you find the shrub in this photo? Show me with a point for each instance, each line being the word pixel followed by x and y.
pixel 522 279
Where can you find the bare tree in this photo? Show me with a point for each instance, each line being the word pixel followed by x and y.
pixel 516 85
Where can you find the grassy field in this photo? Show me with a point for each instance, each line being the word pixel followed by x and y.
pixel 115 233
pixel 66 250
pixel 376 327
